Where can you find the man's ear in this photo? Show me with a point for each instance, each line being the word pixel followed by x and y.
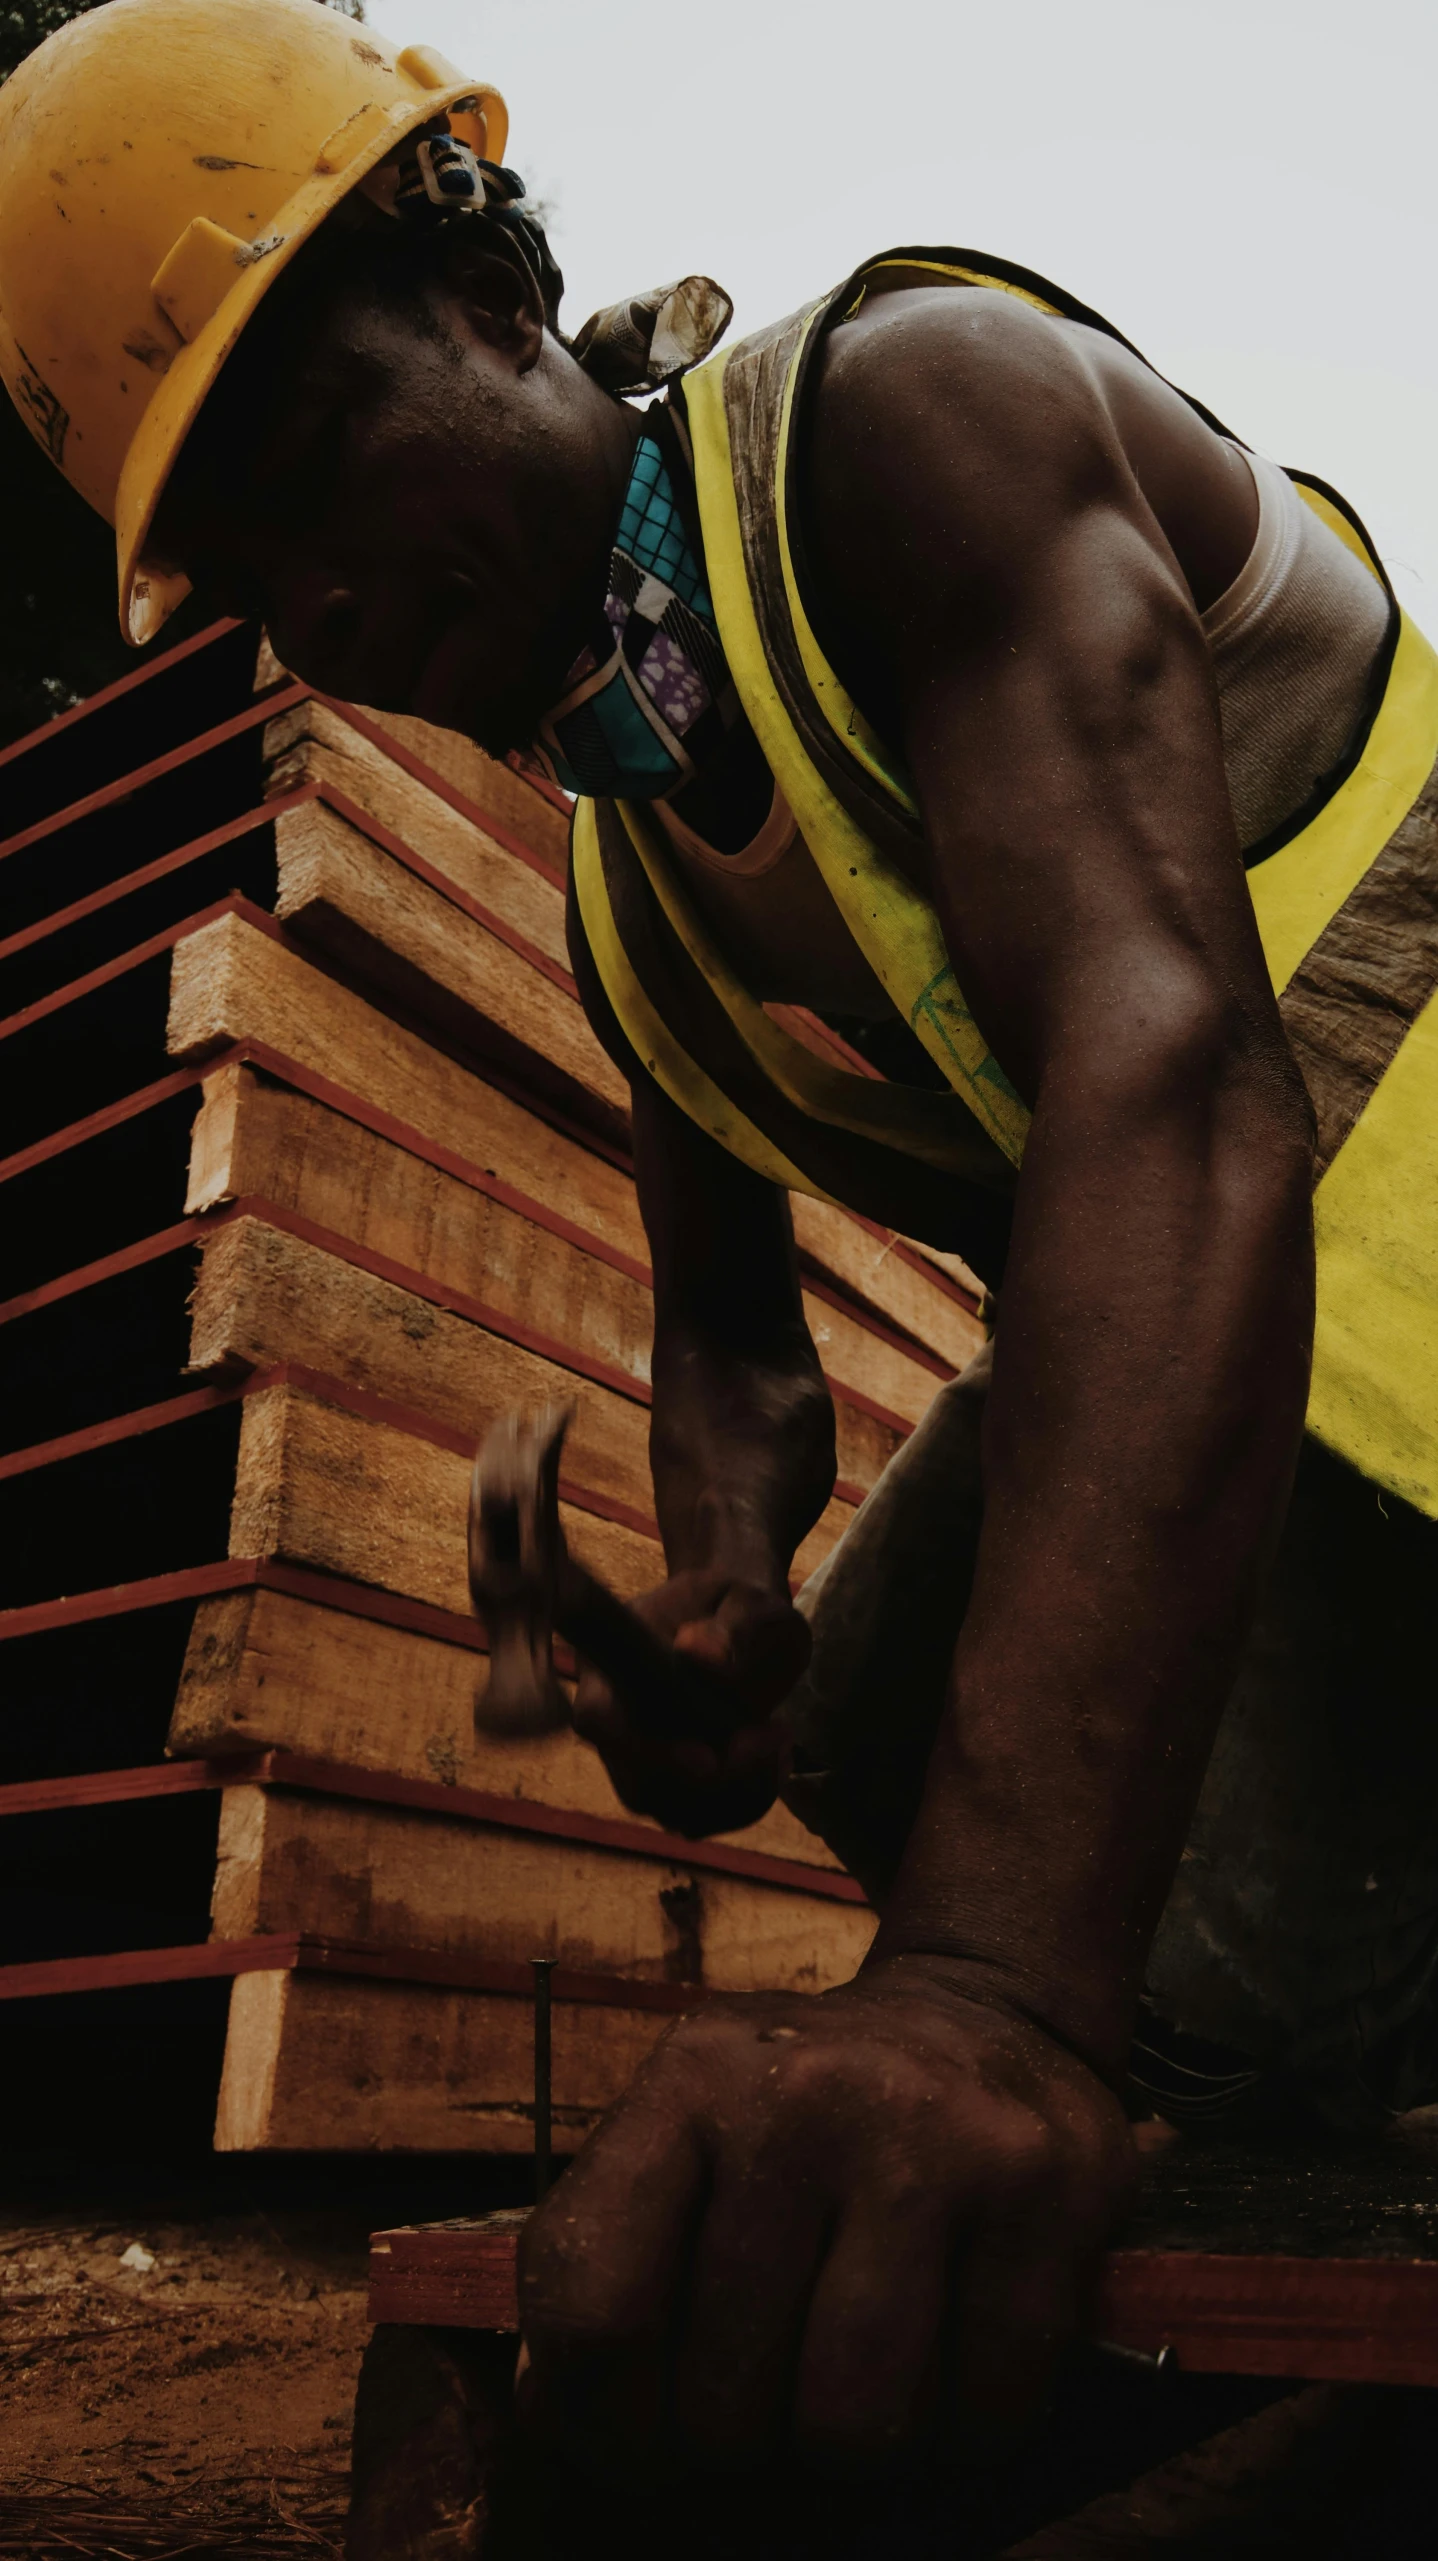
pixel 495 292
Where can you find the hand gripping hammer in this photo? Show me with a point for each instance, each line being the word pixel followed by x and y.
pixel 527 1588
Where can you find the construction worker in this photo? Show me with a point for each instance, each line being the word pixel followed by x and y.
pixel 932 664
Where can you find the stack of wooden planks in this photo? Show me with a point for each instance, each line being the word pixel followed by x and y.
pixel 312 1165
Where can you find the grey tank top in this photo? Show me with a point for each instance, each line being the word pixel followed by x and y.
pixel 1293 643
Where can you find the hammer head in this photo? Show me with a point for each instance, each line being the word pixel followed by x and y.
pixel 517 1554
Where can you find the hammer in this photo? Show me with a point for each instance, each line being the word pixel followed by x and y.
pixel 527 1588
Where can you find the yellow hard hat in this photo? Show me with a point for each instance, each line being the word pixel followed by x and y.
pixel 160 163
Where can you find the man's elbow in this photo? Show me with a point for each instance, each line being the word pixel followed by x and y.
pixel 1190 1070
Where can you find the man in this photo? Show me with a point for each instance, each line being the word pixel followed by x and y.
pixel 930 644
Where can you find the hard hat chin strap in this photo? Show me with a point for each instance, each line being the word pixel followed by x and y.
pixel 435 178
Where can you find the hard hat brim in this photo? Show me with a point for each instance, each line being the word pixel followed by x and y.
pixel 149 590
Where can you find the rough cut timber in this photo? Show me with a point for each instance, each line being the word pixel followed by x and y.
pixel 315 1166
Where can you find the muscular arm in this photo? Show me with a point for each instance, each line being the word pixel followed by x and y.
pixel 742 1450
pixel 1152 1355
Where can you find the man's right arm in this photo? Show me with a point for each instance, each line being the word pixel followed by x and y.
pixel 742 1449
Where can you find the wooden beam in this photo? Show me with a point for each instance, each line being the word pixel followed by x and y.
pixel 634 1836
pixel 313 745
pixel 305 1672
pixel 346 1494
pixel 232 985
pixel 392 1876
pixel 448 957
pixel 1333 2320
pixel 267 1294
pixel 526 814
pixel 318 2062
pixel 543 1279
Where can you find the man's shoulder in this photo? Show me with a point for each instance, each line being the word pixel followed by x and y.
pixel 962 416
pixel 961 363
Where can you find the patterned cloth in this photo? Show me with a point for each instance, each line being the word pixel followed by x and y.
pixel 649 697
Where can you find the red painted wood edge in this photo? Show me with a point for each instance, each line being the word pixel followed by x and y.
pixel 303 1771
pixel 534 777
pixel 1311 2320
pixel 492 1320
pixel 126 1258
pixel 438 1293
pixel 327 1390
pixel 366 824
pixel 114 890
pixel 248 1573
pixel 503 834
pixel 64 720
pixel 126 785
pixel 430 1151
pixel 76 1132
pixel 1322 2320
pixel 120 1427
pixel 234 904
pixel 284 1953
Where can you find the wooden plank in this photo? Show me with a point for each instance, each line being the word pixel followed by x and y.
pixel 264 1296
pixel 492 790
pixel 418 2276
pixel 230 984
pixel 254 1137
pixel 455 978
pixel 336 1491
pixel 1311 2320
pixel 257 1138
pixel 389 1876
pixel 1317 2320
pixel 311 744
pixel 452 764
pixel 265 1670
pixel 318 2062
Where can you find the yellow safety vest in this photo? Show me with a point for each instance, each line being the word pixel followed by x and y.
pixel 1347 906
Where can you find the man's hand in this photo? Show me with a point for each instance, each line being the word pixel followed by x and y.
pixel 839 2227
pixel 752 1635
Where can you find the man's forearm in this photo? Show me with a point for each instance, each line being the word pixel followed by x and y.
pixel 742 1438
pixel 1149 1390
pixel 742 1450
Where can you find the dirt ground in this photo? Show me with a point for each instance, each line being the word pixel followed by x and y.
pixel 201 2404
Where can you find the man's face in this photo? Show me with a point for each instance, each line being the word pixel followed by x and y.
pixel 422 516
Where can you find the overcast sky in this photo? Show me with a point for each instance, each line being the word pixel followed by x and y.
pixel 1246 187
